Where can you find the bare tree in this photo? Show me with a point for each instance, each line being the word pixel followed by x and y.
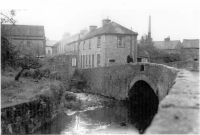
pixel 8 18
pixel 27 62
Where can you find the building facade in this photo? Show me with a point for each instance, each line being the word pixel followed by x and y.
pixel 190 49
pixel 169 46
pixel 49 47
pixel 108 45
pixel 27 39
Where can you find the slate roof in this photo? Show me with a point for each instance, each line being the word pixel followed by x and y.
pixel 167 45
pixel 190 43
pixel 22 30
pixel 110 28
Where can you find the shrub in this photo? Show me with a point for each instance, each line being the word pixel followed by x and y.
pixel 7 82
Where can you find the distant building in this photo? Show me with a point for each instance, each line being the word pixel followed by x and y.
pixel 169 46
pixel 108 45
pixel 71 44
pixel 48 47
pixel 55 49
pixel 27 39
pixel 190 49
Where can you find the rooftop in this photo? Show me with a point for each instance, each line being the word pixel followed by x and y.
pixel 167 45
pixel 110 28
pixel 23 30
pixel 191 43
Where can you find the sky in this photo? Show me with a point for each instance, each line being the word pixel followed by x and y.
pixel 179 19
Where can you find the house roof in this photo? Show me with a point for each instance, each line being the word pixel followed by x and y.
pixel 191 43
pixel 167 45
pixel 110 28
pixel 23 30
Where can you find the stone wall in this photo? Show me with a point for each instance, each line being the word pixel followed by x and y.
pixel 190 53
pixel 61 67
pixel 189 65
pixel 27 117
pixel 116 81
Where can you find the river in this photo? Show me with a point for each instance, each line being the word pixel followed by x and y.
pixel 115 118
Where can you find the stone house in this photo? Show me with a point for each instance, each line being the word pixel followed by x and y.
pixel 107 45
pixel 55 48
pixel 169 46
pixel 27 39
pixel 49 47
pixel 190 49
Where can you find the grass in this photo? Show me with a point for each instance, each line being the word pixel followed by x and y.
pixel 8 81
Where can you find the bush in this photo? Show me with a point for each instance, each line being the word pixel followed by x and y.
pixel 7 82
pixel 37 73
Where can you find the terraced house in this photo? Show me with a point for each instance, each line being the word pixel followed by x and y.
pixel 106 46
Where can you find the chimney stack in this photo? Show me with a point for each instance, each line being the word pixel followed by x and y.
pixel 92 28
pixel 149 32
pixel 105 21
pixel 167 39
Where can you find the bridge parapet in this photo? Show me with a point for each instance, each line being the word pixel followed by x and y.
pixel 116 81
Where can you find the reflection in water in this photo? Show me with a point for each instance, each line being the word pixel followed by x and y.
pixel 117 118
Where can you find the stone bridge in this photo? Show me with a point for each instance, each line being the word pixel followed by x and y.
pixel 120 81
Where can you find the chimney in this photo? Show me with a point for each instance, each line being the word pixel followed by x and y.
pixel 105 21
pixel 92 28
pixel 149 32
pixel 167 39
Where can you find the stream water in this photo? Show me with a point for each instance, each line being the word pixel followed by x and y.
pixel 117 118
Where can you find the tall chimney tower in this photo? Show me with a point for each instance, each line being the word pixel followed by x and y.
pixel 149 32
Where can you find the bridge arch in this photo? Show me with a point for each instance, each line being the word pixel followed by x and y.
pixel 142 77
pixel 143 95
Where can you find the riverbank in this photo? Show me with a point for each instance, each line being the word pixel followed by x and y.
pixel 28 104
pixel 179 111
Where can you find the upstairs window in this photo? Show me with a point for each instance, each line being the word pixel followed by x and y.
pixel 99 42
pixel 83 45
pixel 89 43
pixel 120 43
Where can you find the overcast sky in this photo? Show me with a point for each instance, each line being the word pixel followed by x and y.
pixel 179 19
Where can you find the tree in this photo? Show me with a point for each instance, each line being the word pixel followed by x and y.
pixel 8 17
pixel 27 62
pixel 8 52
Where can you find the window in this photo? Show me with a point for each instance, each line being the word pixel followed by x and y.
pixel 89 61
pixel 99 42
pixel 111 60
pixel 89 44
pixel 119 42
pixel 73 62
pixel 83 45
pixel 86 63
pixel 83 61
pixel 98 60
pixel 92 60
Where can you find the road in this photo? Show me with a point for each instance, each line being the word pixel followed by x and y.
pixel 179 110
